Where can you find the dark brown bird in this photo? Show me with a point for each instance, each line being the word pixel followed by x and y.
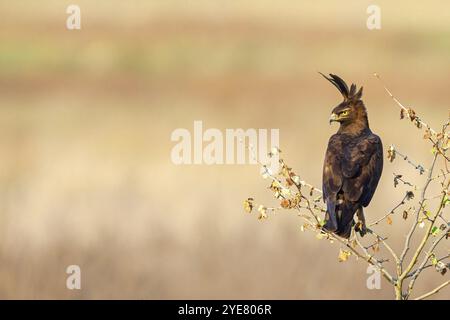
pixel 353 163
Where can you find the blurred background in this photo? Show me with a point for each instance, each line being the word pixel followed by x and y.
pixel 86 117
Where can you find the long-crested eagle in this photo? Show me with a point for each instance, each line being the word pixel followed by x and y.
pixel 353 163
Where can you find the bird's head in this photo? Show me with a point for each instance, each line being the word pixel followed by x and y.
pixel 352 109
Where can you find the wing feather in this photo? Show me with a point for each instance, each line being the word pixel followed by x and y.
pixel 362 170
pixel 332 173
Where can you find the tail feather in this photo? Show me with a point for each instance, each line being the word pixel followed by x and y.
pixel 345 231
pixel 331 223
pixel 340 217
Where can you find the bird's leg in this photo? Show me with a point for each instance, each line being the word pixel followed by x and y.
pixel 361 225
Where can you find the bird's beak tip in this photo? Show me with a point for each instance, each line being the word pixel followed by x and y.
pixel 333 117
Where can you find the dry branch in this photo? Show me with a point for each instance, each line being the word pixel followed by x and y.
pixel 293 193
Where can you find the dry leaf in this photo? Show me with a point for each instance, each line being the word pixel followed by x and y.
pixel 343 255
pixel 285 204
pixel 389 220
pixel 411 114
pixel 262 212
pixel 391 153
pixel 248 205
pixel 405 214
pixel 409 195
pixel 396 179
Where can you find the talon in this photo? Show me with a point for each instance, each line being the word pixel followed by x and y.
pixel 361 228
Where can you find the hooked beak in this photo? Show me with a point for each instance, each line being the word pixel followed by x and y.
pixel 333 117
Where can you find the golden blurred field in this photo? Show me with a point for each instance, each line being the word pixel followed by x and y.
pixel 85 123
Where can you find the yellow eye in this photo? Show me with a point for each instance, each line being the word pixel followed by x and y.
pixel 345 113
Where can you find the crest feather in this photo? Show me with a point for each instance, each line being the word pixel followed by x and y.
pixel 343 87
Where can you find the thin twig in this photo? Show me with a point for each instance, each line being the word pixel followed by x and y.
pixel 405 157
pixel 422 200
pixel 386 245
pixel 390 212
pixel 428 255
pixel 427 266
pixel 433 132
pixel 434 291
